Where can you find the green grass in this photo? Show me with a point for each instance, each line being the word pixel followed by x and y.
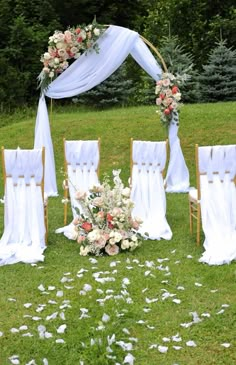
pixel 149 278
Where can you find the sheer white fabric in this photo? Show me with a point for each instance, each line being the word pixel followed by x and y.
pixel 218 203
pixel 177 176
pixel 83 159
pixel 147 191
pixel 85 73
pixel 23 238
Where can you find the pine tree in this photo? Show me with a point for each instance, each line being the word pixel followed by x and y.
pixel 114 91
pixel 218 79
pixel 180 62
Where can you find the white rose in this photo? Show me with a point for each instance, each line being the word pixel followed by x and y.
pixel 46 56
pixel 83 34
pixel 134 238
pixel 51 74
pixel 125 244
pixel 126 192
pixel 84 250
pixel 178 96
pixel 56 60
pixel 96 32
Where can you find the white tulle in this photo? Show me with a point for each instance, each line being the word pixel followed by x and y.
pixel 148 193
pixel 218 203
pixel 24 229
pixel 82 158
pixel 85 73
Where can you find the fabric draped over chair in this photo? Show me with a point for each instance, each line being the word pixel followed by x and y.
pixel 23 239
pixel 82 159
pixel 218 203
pixel 148 193
pixel 85 73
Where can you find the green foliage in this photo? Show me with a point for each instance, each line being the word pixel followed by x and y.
pixel 218 79
pixel 196 23
pixel 178 61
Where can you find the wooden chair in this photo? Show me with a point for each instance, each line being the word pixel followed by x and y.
pixel 25 212
pixel 81 166
pixel 147 166
pixel 206 166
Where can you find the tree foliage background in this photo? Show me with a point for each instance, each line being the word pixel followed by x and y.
pixel 26 25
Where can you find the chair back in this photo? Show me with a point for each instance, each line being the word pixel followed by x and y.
pixel 81 162
pixel 147 163
pixel 25 227
pixel 148 155
pixel 216 163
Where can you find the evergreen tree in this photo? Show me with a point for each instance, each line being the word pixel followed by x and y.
pixel 218 79
pixel 180 62
pixel 117 90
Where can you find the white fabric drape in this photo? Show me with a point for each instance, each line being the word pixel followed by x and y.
pixel 177 177
pixel 218 203
pixel 85 73
pixel 147 191
pixel 82 158
pixel 88 71
pixel 24 229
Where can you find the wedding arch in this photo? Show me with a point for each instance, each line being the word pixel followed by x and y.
pixel 91 69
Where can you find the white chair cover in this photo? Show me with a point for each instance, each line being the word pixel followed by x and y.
pixel 218 203
pixel 24 227
pixel 83 159
pixel 147 191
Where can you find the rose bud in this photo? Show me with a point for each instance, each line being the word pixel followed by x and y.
pixel 175 89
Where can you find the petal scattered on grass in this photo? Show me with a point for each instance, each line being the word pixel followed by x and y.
pixel 226 345
pixel 162 349
pixel 191 344
pixel 129 359
pixel 62 328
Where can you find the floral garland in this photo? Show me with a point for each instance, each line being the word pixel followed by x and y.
pixel 169 97
pixel 64 46
pixel 105 225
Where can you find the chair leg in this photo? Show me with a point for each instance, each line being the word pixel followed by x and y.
pixel 65 204
pixel 190 217
pixel 198 223
pixel 46 223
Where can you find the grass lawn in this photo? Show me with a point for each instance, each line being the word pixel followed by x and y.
pixel 157 304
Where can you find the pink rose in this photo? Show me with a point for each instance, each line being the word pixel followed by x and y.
pixel 112 250
pixel 101 242
pixel 87 226
pixel 80 195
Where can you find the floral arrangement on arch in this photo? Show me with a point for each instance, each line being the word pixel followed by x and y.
pixel 168 97
pixel 67 45
pixel 105 225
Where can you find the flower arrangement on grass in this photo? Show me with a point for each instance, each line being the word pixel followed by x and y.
pixel 168 98
pixel 106 225
pixel 64 46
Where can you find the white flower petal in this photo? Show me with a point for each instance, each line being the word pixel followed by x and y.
pixel 226 345
pixel 60 340
pixel 129 359
pixel 62 328
pixel 191 344
pixel 59 293
pixel 27 305
pixel 105 317
pixel 162 349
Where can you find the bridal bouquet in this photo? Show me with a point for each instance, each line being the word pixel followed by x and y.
pixel 105 224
